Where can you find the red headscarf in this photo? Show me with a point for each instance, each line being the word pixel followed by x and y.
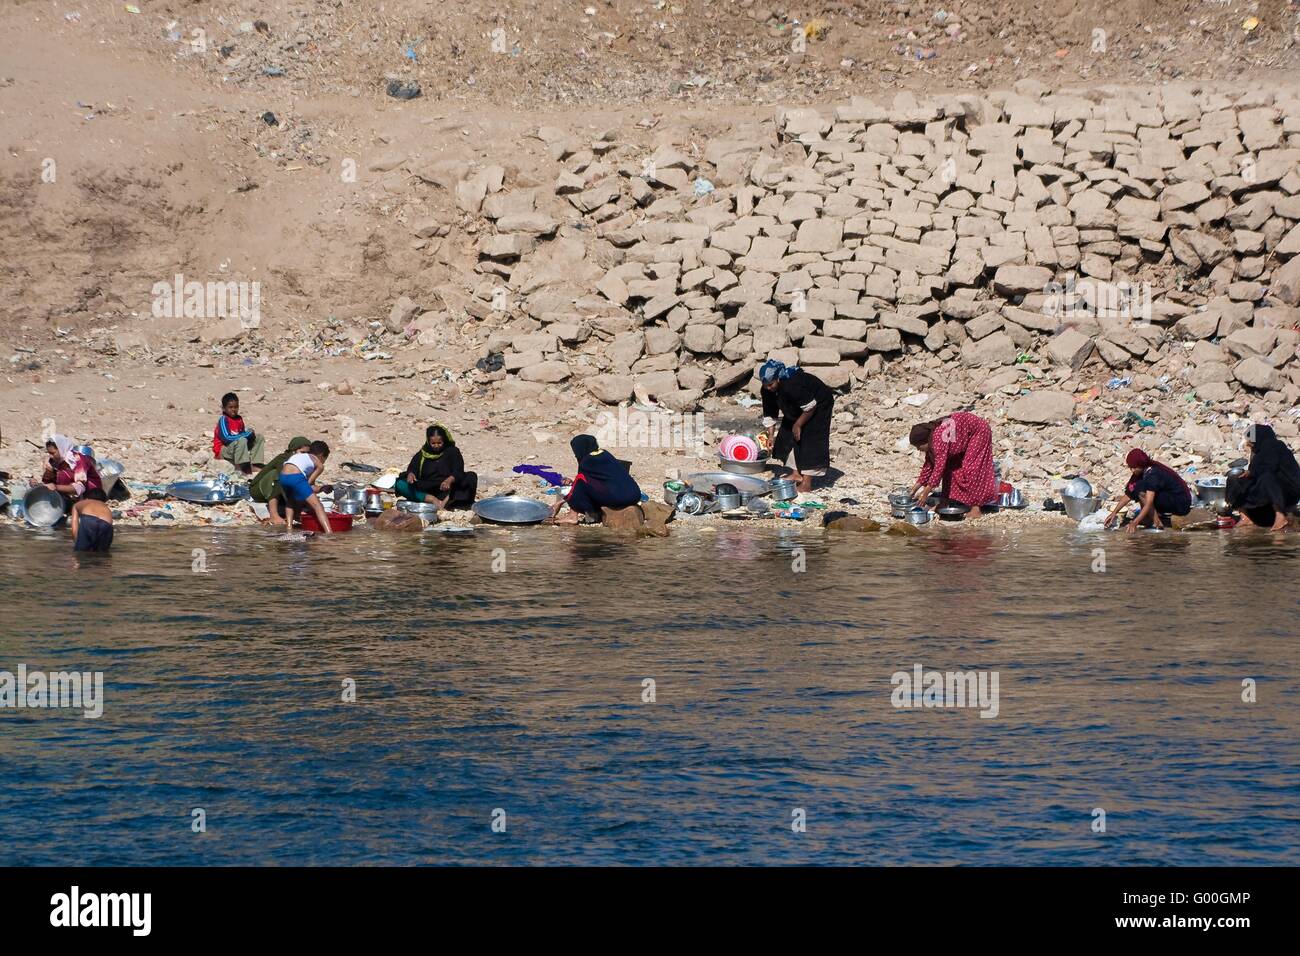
pixel 1137 458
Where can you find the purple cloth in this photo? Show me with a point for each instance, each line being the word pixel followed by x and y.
pixel 549 475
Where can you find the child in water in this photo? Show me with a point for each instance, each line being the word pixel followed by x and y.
pixel 92 522
pixel 296 478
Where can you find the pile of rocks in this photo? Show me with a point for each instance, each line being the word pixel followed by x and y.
pixel 1007 239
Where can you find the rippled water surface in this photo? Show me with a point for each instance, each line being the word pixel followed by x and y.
pixel 522 690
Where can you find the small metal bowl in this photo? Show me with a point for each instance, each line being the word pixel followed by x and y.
pixel 953 512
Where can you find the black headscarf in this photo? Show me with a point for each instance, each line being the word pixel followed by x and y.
pixel 583 445
pixel 1268 454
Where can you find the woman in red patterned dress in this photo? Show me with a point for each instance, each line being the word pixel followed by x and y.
pixel 958 460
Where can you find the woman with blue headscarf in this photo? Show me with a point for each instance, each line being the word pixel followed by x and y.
pixel 797 409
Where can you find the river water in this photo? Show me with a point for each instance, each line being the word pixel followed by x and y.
pixel 500 676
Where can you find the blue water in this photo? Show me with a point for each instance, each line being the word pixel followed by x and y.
pixel 521 690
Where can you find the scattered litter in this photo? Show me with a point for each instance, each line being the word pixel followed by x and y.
pixel 703 187
pixel 403 91
pixel 747 401
pixel 1118 382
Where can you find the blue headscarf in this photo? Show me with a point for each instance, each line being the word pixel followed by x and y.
pixel 772 371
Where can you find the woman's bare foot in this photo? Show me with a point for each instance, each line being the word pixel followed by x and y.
pixel 568 517
pixel 975 512
pixel 1280 524
pixel 802 482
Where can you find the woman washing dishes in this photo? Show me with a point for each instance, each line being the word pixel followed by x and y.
pixel 437 471
pixel 67 471
pixel 602 482
pixel 958 453
pixel 1270 486
pixel 1157 487
pixel 797 409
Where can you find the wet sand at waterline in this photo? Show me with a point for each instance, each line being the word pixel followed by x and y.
pixel 522 690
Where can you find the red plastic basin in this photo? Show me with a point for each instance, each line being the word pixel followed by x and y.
pixel 338 522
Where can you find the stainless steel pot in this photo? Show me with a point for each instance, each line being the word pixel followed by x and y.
pixel 1011 499
pixel 783 489
pixel 917 516
pixel 727 497
pixel 688 503
pixel 374 501
pixel 349 507
pixel 1080 508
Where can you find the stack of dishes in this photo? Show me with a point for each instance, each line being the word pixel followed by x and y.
pixel 739 448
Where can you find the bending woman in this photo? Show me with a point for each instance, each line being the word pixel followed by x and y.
pixel 69 472
pixel 1270 486
pixel 437 471
pixel 1158 488
pixel 804 405
pixel 958 453
pixel 602 482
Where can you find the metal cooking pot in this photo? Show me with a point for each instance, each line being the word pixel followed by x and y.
pixel 346 491
pixel 1011 499
pixel 1238 468
pixel 1077 488
pixel 349 507
pixel 374 501
pixel 917 516
pixel 783 489
pixel 727 496
pixel 689 503
pixel 1080 508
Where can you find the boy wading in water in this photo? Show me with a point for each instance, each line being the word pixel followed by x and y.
pixel 235 443
pixel 296 477
pixel 92 523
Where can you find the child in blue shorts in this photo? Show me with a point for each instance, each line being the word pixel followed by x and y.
pixel 297 475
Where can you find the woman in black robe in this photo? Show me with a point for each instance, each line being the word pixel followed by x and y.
pixel 602 482
pixel 1270 486
pixel 804 405
pixel 437 472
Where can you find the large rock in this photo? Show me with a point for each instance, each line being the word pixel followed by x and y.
pixel 1042 408
pixel 995 349
pixel 404 310
pixel 630 518
pixel 1070 348
pixel 548 372
pixel 703 339
pixel 818 235
pixel 1019 280
pixel 610 389
pixel 1286 282
pixel 395 520
pixel 1256 372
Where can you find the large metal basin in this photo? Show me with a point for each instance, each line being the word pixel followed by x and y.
pixel 705 482
pixel 43 508
pixel 512 509
pixel 214 492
